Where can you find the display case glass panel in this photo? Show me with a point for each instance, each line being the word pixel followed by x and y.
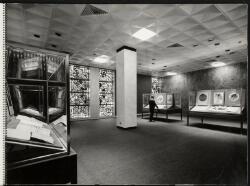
pixel 177 100
pixel 36 105
pixel 25 64
pixel 55 68
pixel 106 92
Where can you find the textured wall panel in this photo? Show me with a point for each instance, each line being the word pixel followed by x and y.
pixel 231 76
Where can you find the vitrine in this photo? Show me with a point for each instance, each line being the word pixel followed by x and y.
pixel 37 99
pixel 167 103
pixel 223 103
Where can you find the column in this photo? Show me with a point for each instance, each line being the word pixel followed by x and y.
pixel 126 84
pixel 94 93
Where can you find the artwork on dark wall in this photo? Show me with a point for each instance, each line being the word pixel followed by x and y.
pixel 203 97
pixel 218 98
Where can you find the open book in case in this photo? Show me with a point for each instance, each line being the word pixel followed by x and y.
pixel 37 120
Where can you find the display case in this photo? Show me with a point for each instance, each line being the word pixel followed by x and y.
pixel 167 103
pixel 226 103
pixel 37 120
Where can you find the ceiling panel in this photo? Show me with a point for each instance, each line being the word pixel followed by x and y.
pixel 196 27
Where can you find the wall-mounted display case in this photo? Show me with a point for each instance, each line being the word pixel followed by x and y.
pixel 226 103
pixel 37 104
pixel 167 103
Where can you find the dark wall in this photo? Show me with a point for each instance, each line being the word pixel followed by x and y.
pixel 231 76
pixel 143 86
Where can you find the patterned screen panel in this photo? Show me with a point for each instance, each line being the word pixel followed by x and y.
pixel 77 112
pixel 106 92
pixel 156 85
pixel 79 91
pixel 79 72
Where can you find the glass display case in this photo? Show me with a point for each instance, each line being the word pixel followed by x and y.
pixel 37 120
pixel 223 103
pixel 226 101
pixel 166 102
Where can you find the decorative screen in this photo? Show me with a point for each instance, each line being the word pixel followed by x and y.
pixel 106 92
pixel 156 85
pixel 79 91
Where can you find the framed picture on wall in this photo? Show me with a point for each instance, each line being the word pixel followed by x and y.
pixel 203 97
pixel 169 99
pixel 218 97
pixel 233 97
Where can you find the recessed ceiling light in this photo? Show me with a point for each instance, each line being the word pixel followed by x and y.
pixel 165 66
pixel 171 73
pixel 144 34
pixel 227 50
pixel 216 44
pixel 58 34
pixel 217 64
pixel 209 40
pixel 54 46
pixel 153 63
pixel 101 59
pixel 195 45
pixel 153 59
pixel 217 56
pixel 36 35
pixel 231 53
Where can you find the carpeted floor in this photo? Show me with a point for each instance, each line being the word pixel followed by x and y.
pixel 158 153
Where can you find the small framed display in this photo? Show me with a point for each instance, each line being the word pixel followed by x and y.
pixel 233 97
pixel 218 97
pixel 169 99
pixel 203 97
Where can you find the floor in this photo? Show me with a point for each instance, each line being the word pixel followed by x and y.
pixel 159 153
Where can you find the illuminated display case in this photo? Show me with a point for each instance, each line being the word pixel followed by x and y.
pixel 37 104
pixel 79 91
pixel 167 103
pixel 227 103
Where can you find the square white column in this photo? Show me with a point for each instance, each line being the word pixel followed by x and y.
pixel 126 84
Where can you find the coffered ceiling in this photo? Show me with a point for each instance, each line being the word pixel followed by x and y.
pixel 203 32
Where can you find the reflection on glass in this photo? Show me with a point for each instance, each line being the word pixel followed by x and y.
pixel 28 100
pixel 24 64
pixel 56 68
pixel 57 102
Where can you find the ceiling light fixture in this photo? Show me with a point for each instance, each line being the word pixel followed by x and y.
pixel 54 46
pixel 36 35
pixel 209 40
pixel 216 44
pixel 165 66
pixel 101 59
pixel 227 50
pixel 217 56
pixel 195 45
pixel 171 73
pixel 144 34
pixel 153 63
pixel 58 34
pixel 217 64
